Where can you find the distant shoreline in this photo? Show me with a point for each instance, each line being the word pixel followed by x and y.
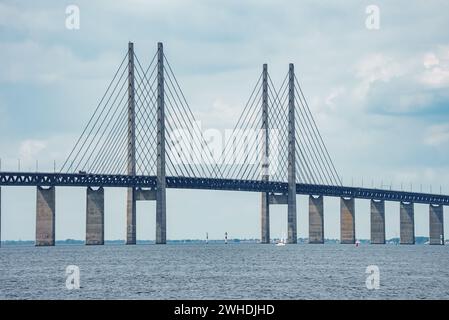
pixel 419 241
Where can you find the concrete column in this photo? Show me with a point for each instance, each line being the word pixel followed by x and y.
pixel 407 221
pixel 45 216
pixel 94 216
pixel 265 205
pixel 316 219
pixel 131 216
pixel 377 222
pixel 347 221
pixel 131 199
pixel 291 215
pixel 161 228
pixel 145 194
pixel 265 218
pixel 436 229
pixel 274 198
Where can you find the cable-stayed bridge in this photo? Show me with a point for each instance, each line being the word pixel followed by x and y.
pixel 143 136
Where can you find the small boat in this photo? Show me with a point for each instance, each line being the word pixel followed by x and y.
pixel 357 243
pixel 280 243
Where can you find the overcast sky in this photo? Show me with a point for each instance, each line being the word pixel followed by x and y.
pixel 380 98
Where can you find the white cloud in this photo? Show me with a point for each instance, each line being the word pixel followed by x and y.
pixel 403 83
pixel 24 19
pixel 221 114
pixel 30 149
pixel 48 152
pixel 378 67
pixel 436 77
pixel 31 61
pixel 373 68
pixel 430 60
pixel 2 113
pixel 412 102
pixel 436 73
pixel 333 95
pixel 437 135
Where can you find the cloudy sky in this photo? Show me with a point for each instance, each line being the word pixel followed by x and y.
pixel 380 98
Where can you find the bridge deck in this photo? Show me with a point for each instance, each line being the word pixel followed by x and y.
pixel 97 180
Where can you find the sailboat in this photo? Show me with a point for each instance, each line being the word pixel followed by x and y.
pixel 281 242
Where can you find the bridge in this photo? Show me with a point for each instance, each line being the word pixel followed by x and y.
pixel 144 137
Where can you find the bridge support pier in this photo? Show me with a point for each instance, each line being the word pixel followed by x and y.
pixel 131 216
pixel 407 222
pixel 94 216
pixel 161 225
pixel 45 216
pixel 347 221
pixel 316 219
pixel 377 221
pixel 265 218
pixel 436 229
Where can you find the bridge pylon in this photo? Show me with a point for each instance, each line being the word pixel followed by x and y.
pixel 265 205
pixel 291 213
pixel 161 236
pixel 131 154
pixel 289 198
pixel 134 194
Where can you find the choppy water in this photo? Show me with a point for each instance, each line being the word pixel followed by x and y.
pixel 225 272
